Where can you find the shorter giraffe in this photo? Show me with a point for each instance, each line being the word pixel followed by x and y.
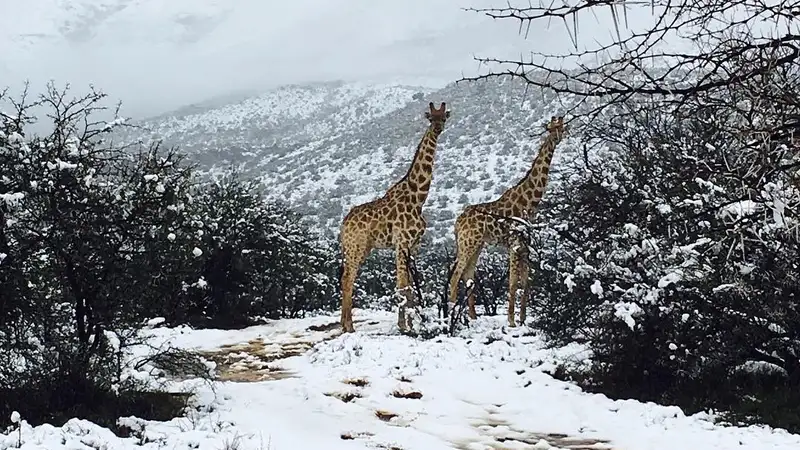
pixel 494 223
pixel 392 221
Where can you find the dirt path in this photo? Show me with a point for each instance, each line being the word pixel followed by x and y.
pixel 259 360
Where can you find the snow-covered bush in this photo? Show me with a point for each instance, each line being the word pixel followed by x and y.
pixel 77 220
pixel 259 259
pixel 674 249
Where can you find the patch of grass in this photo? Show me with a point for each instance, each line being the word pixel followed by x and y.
pixel 359 382
pixel 325 327
pixel 385 415
pixel 414 395
pixel 346 397
pixel 179 363
pixel 331 326
pixel 349 436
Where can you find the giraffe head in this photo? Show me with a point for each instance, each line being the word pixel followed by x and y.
pixel 437 117
pixel 556 127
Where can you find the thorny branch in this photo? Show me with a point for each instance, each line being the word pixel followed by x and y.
pixel 720 34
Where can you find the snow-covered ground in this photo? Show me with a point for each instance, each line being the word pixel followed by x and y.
pixel 377 389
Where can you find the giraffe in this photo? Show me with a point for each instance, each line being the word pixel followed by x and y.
pixel 492 223
pixel 392 221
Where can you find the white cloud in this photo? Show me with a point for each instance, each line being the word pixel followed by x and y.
pixel 156 55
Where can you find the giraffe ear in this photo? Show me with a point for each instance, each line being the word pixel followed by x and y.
pixel 447 115
pixel 427 115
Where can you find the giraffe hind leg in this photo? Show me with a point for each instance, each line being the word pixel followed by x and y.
pixel 524 274
pixel 517 279
pixel 512 292
pixel 464 270
pixel 354 255
pixel 469 279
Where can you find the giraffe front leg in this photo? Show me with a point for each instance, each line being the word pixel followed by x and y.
pixel 524 275
pixel 348 280
pixel 513 278
pixel 404 290
pixel 354 255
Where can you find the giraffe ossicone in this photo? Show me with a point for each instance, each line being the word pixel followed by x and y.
pixel 497 223
pixel 392 221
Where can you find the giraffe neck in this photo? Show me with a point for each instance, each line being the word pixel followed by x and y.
pixel 419 176
pixel 529 191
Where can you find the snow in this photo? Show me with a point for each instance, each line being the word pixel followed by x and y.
pixel 569 282
pixel 12 199
pixel 61 165
pixel 739 209
pixel 470 392
pixel 627 311
pixel 670 278
pixel 155 321
pixel 597 288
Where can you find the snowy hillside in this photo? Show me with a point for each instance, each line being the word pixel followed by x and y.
pixel 329 146
pixel 486 389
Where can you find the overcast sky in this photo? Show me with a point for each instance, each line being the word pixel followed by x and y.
pixel 157 55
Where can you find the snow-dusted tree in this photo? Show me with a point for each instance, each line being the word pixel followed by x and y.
pixel 258 258
pixel 678 247
pixel 78 218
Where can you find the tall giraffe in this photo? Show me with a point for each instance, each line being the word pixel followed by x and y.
pixel 392 221
pixel 493 223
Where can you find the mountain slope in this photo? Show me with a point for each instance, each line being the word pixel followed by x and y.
pixel 327 147
pixel 252 132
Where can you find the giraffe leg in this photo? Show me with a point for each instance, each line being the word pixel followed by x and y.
pixel 524 275
pixel 469 275
pixel 466 257
pixel 404 289
pixel 354 256
pixel 513 279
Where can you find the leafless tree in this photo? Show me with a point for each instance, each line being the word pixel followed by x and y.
pixel 715 37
